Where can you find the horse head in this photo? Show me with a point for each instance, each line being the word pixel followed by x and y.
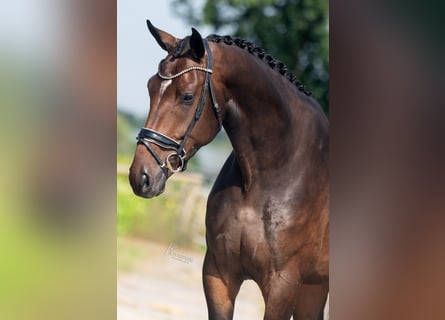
pixel 183 116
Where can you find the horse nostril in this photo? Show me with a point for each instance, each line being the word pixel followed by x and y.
pixel 145 181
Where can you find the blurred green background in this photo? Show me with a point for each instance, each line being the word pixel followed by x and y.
pixel 57 180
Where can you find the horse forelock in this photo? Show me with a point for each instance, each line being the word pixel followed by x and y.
pixel 179 50
pixel 260 53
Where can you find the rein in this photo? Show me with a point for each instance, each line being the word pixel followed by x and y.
pixel 176 161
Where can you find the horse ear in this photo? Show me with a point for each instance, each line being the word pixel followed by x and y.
pixel 196 44
pixel 164 39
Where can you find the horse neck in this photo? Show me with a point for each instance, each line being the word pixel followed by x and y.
pixel 273 127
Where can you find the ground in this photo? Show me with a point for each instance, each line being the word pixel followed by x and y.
pixel 163 282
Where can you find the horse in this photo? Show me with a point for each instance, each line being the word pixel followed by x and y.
pixel 267 216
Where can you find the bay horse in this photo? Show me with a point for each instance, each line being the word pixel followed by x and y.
pixel 267 214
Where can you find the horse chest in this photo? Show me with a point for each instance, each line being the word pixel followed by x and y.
pixel 252 236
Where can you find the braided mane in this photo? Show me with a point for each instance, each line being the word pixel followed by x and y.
pixel 260 53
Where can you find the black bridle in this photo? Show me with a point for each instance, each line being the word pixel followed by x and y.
pixel 176 161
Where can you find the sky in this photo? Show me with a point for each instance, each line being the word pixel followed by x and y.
pixel 138 54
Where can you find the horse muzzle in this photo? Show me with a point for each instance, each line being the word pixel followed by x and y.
pixel 144 184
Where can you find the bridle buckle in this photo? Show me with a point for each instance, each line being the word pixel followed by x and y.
pixel 175 162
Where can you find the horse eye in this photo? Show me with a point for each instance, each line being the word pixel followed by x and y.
pixel 187 98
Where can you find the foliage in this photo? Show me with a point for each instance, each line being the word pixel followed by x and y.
pixel 127 126
pixel 164 218
pixel 293 31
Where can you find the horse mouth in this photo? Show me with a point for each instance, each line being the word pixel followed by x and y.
pixel 148 194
